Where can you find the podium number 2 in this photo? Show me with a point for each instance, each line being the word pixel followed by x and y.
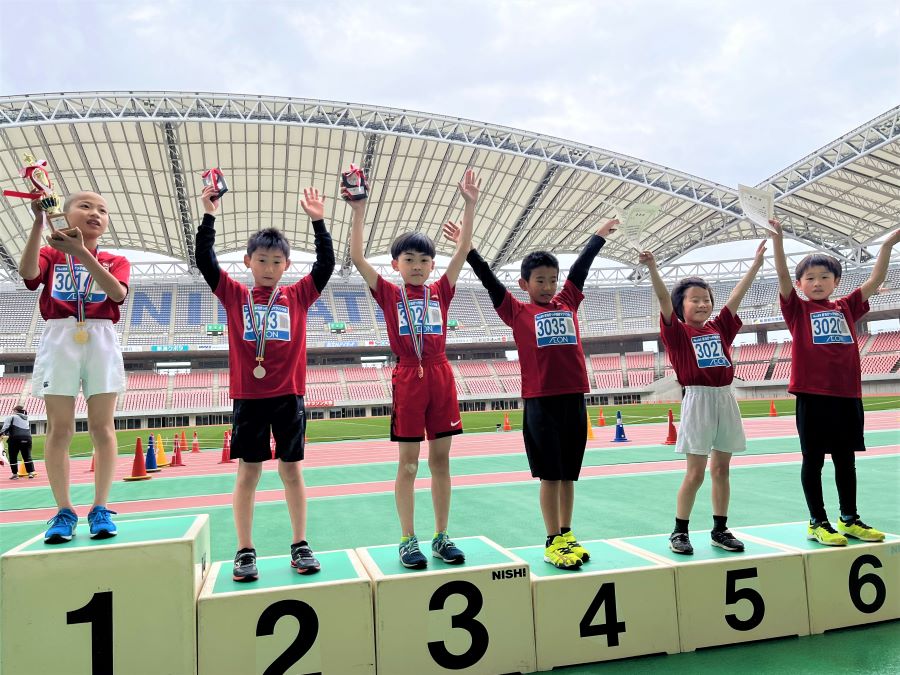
pixel 857 582
pixel 98 613
pixel 465 620
pixel 611 628
pixel 733 595
pixel 307 620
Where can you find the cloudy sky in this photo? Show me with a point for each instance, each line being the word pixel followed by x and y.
pixel 731 92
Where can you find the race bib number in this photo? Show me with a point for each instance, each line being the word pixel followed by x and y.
pixel 277 328
pixel 434 322
pixel 708 350
pixel 63 286
pixel 830 327
pixel 555 328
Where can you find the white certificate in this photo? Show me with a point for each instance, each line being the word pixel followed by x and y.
pixel 633 220
pixel 758 206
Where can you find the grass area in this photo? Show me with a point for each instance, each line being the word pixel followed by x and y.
pixel 363 428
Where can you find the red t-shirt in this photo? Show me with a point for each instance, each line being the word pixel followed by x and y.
pixel 701 357
pixel 285 355
pixel 387 295
pixel 549 343
pixel 58 298
pixel 824 353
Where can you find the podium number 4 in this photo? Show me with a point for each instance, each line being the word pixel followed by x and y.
pixel 606 597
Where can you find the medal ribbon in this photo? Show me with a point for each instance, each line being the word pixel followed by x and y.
pixel 260 335
pixel 80 298
pixel 418 338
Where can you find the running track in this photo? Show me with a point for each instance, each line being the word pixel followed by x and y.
pixel 363 452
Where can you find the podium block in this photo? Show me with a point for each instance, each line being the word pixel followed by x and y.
pixel 726 597
pixel 848 585
pixel 286 622
pixel 120 605
pixel 618 604
pixel 469 618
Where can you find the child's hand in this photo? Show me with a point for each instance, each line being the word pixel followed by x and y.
pixel 646 258
pixel 206 197
pixel 893 239
pixel 760 254
pixel 313 204
pixel 69 241
pixel 451 231
pixel 469 187
pixel 778 234
pixel 608 228
pixel 356 205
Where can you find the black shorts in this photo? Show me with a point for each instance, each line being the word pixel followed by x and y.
pixel 555 430
pixel 829 424
pixel 253 419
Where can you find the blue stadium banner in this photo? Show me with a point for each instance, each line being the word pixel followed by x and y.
pixel 169 348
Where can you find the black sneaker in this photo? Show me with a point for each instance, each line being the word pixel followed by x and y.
pixel 724 539
pixel 303 560
pixel 14 477
pixel 679 542
pixel 245 565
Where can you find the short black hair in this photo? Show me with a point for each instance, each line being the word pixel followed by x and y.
pixel 412 242
pixel 269 237
pixel 818 260
pixel 680 291
pixel 537 259
pixel 19 409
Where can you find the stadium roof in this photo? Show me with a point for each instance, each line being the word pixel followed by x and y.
pixel 145 151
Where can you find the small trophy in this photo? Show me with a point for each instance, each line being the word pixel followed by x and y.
pixel 217 178
pixel 36 174
pixel 354 185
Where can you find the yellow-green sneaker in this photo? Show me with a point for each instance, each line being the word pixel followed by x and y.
pixel 824 534
pixel 575 547
pixel 859 530
pixel 559 555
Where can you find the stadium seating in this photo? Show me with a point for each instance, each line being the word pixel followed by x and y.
pixel 322 374
pixel 484 386
pixel 366 391
pixel 609 380
pixel 7 403
pixel 782 370
pixel 35 406
pixel 511 385
pixel 606 362
pixel 751 372
pixel 640 360
pixel 11 385
pixel 757 352
pixel 885 342
pixel 193 380
pixel 506 367
pixel 154 400
pixel 145 380
pixel 325 392
pixel 640 378
pixel 192 399
pixel 473 369
pixel 879 363
pixel 360 374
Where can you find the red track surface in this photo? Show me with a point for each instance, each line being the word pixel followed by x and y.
pixel 362 452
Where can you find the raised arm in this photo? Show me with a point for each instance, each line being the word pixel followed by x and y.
pixel 207 262
pixel 785 284
pixel 29 267
pixel 662 293
pixel 469 188
pixel 314 205
pixel 358 207
pixel 579 270
pixel 734 300
pixel 495 288
pixel 871 285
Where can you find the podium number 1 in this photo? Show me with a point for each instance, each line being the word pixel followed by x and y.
pixel 98 613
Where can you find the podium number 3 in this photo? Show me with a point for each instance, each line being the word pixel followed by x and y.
pixel 307 620
pixel 465 620
pixel 733 595
pixel 98 613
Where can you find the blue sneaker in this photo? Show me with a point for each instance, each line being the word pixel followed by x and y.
pixel 102 526
pixel 411 556
pixel 62 527
pixel 446 550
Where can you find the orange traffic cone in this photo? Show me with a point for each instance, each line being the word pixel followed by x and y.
pixel 176 453
pixel 161 457
pixel 272 444
pixel 506 425
pixel 184 445
pixel 91 470
pixel 672 438
pixel 590 429
pixel 139 468
pixel 226 449
pixel 195 444
pixel 772 411
pixel 601 420
pixel 22 473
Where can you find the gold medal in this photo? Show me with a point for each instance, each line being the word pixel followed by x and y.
pixel 421 371
pixel 259 372
pixel 81 336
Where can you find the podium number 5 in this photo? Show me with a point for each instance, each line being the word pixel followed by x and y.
pixel 733 595
pixel 98 613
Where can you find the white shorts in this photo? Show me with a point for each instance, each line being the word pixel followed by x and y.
pixel 63 366
pixel 710 420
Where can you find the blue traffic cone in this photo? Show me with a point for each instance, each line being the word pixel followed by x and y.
pixel 620 429
pixel 150 461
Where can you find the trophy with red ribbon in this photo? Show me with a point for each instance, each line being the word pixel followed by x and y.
pixel 354 185
pixel 215 177
pixel 38 177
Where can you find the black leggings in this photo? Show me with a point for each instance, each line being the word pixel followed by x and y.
pixel 17 445
pixel 844 479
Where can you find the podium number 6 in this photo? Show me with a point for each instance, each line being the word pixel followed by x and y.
pixel 733 595
pixel 857 582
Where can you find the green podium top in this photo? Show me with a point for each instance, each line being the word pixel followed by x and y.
pixel 276 572
pixel 141 531
pixel 604 558
pixel 478 552
pixel 794 535
pixel 658 544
